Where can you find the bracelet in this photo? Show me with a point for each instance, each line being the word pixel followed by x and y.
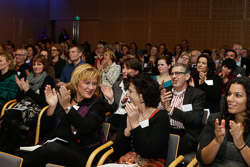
pixel 242 147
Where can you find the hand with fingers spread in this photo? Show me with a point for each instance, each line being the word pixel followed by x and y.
pixel 108 92
pixel 237 130
pixel 219 131
pixel 165 99
pixel 133 114
pixel 51 96
pixel 64 97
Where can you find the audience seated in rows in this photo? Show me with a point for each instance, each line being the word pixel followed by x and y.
pixel 31 100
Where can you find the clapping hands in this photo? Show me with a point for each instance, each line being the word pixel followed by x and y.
pixel 23 85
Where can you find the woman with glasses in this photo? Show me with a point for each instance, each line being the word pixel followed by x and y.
pixel 185 58
pixel 74 118
pixel 206 80
pixel 56 61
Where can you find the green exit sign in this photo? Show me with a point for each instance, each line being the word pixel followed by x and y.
pixel 77 18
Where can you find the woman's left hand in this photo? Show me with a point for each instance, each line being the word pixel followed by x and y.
pixel 236 130
pixel 133 114
pixel 64 97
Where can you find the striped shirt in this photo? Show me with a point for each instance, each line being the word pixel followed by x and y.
pixel 176 102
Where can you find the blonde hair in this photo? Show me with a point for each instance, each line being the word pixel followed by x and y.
pixel 111 54
pixel 185 53
pixel 8 57
pixel 84 72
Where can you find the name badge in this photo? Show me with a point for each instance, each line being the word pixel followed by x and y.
pixel 238 75
pixel 144 123
pixel 209 82
pixel 145 65
pixel 187 107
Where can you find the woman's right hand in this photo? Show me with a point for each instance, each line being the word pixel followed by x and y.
pixel 51 96
pixel 108 92
pixel 219 131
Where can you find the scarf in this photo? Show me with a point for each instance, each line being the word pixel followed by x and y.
pixel 36 82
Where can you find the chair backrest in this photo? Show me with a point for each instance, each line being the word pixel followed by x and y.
pixel 38 125
pixel 52 165
pixel 8 105
pixel 173 144
pixel 9 160
pixel 106 127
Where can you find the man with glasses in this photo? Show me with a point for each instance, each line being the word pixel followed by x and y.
pixel 21 67
pixel 185 107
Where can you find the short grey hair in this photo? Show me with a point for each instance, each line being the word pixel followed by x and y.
pixel 184 66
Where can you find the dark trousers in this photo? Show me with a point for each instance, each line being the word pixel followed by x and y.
pixel 57 153
pixel 186 145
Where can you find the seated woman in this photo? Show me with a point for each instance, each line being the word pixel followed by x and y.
pixel 225 140
pixel 185 58
pixel 164 64
pixel 205 79
pixel 8 86
pixel 226 73
pixel 31 100
pixel 75 115
pixel 144 132
pixel 110 71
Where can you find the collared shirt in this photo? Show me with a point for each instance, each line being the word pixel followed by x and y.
pixel 238 63
pixel 67 71
pixel 176 102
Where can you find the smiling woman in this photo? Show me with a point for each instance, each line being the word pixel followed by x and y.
pixel 75 114
pixel 225 141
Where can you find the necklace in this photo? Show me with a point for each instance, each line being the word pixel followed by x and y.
pixel 146 115
pixel 75 100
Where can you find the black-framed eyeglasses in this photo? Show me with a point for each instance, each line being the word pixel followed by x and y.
pixel 177 73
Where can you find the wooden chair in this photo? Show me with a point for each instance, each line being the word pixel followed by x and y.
pixel 8 105
pixel 52 165
pixel 8 160
pixel 173 145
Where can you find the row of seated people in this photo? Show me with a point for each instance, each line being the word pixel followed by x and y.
pixel 171 75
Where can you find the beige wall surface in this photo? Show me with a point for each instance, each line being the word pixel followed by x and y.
pixel 205 23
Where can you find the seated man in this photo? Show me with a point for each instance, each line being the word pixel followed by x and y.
pixel 185 107
pixel 117 94
pixel 21 67
pixel 75 54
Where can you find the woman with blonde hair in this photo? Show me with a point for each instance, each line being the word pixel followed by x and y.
pixel 74 117
pixel 185 58
pixel 8 86
pixel 110 71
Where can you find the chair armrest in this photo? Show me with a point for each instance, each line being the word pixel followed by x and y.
pixel 6 105
pixel 178 160
pixel 194 162
pixel 105 156
pixel 96 151
pixel 39 124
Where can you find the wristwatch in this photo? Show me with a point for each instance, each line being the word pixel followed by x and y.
pixel 68 108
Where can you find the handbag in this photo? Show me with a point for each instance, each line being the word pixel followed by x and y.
pixel 134 158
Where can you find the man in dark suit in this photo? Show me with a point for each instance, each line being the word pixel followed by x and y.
pixel 185 106
pixel 116 95
pixel 241 61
